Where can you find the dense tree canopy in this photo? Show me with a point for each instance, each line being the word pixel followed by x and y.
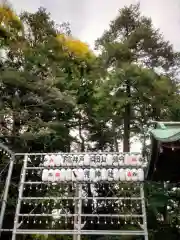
pixel 57 95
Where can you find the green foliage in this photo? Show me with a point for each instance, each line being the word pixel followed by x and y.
pixel 52 84
pixel 42 237
pixel 133 50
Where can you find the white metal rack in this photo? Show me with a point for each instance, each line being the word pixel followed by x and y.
pixel 31 178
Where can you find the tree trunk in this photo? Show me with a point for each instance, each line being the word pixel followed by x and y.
pixel 82 147
pixel 156 113
pixel 116 147
pixel 165 215
pixel 15 131
pixel 127 120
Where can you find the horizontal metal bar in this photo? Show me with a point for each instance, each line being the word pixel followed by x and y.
pixel 82 198
pixel 83 215
pixel 87 167
pixel 75 153
pixel 82 232
pixel 68 182
pixel 6 230
pixel 164 122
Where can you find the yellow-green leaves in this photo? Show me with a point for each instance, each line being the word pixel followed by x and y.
pixel 74 47
pixel 8 17
pixel 10 24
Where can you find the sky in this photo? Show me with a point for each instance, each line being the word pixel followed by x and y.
pixel 89 18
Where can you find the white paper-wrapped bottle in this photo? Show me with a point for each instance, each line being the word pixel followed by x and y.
pixel 140 173
pixel 52 161
pixel 63 175
pixel 92 174
pixel 58 160
pixel 128 174
pixel 68 174
pixel 80 174
pixel 110 174
pixel 86 160
pixel 109 159
pixel 127 159
pixel 115 160
pixel 134 175
pixel 98 159
pixel 103 160
pixel 92 160
pixel 57 174
pixel 51 176
pixel 61 157
pixel 65 156
pixel 75 160
pixel 86 174
pixel 46 157
pixel 56 214
pixel 81 160
pixel 104 174
pixel 133 160
pixel 139 160
pixel 74 175
pixel 68 160
pixel 98 176
pixel 122 174
pixel 116 174
pixel 46 160
pixel 45 175
pixel 121 159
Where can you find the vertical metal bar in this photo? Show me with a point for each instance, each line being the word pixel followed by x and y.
pixel 144 212
pixel 79 210
pixel 18 207
pixel 76 211
pixel 6 190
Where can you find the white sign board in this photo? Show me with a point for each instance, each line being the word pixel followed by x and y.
pixel 93 167
pixel 93 160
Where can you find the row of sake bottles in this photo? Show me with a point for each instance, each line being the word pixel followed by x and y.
pixel 92 175
pixel 93 160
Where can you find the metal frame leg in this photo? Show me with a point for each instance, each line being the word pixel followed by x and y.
pixel 144 212
pixel 78 210
pixel 18 207
pixel 6 190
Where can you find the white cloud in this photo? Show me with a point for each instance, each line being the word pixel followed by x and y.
pixel 89 18
pixel 164 13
